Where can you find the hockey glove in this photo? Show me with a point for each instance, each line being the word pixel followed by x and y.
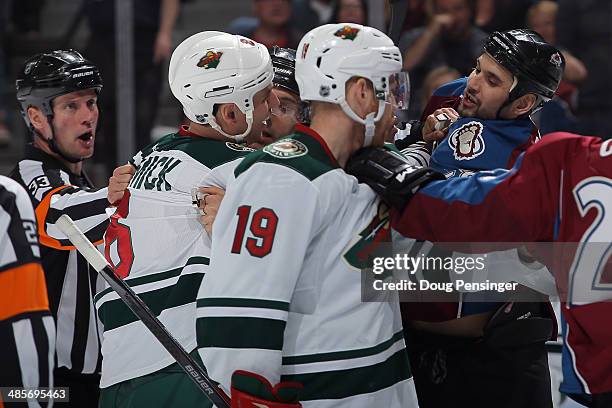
pixel 389 174
pixel 250 390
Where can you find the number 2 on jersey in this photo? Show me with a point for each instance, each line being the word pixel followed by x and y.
pixel 587 281
pixel 263 229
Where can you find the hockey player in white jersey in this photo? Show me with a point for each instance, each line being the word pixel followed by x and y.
pixel 155 240
pixel 281 303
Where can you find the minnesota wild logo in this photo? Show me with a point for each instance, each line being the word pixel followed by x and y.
pixel 347 33
pixel 210 60
pixel 367 243
pixel 286 149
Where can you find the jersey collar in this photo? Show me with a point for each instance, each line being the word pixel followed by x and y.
pixel 305 130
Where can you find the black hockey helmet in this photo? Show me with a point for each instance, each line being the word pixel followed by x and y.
pixel 536 65
pixel 283 63
pixel 48 75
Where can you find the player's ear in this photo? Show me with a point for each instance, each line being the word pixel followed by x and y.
pixel 227 113
pixel 524 104
pixel 358 92
pixel 37 118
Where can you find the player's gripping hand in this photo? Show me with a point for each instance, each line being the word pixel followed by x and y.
pixel 389 174
pixel 209 206
pixel 118 182
pixel 436 125
pixel 250 390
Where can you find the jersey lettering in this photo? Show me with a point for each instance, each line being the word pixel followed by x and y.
pixel 37 183
pixel 606 148
pixel 31 234
pixel 152 174
pixel 262 227
pixel 587 285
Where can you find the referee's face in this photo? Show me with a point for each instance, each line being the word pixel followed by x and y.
pixel 75 117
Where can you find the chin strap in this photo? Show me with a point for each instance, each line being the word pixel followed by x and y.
pixel 369 121
pixel 238 138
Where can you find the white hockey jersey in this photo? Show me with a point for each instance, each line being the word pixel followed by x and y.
pixel 282 297
pixel 156 243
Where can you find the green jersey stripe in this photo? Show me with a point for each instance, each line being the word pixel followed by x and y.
pixel 242 302
pixel 115 313
pixel 240 332
pixel 347 383
pixel 155 277
pixel 343 355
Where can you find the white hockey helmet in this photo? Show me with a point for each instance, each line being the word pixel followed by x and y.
pixel 214 67
pixel 329 55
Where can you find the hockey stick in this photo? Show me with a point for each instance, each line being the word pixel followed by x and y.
pixel 142 311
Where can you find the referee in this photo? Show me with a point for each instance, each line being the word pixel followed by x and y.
pixel 27 332
pixel 58 93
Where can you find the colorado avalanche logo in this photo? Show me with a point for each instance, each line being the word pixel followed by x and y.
pixel 556 59
pixel 467 141
pixel 210 60
pixel 347 33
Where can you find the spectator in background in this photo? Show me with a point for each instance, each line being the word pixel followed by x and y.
pixel 541 19
pixel 449 38
pixel 435 79
pixel 308 14
pixel 271 26
pixel 585 29
pixel 153 25
pixel 350 11
pixel 416 16
pixel 501 15
pixel 558 114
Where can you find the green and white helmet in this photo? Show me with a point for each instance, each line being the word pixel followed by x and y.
pixel 214 67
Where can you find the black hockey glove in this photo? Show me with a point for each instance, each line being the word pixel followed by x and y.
pixel 389 174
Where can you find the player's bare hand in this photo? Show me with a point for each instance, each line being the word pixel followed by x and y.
pixel 210 206
pixel 436 125
pixel 119 182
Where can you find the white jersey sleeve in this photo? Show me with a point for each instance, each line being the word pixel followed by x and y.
pixel 222 175
pixel 261 237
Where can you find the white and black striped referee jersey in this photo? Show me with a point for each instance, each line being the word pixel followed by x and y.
pixel 71 282
pixel 27 330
